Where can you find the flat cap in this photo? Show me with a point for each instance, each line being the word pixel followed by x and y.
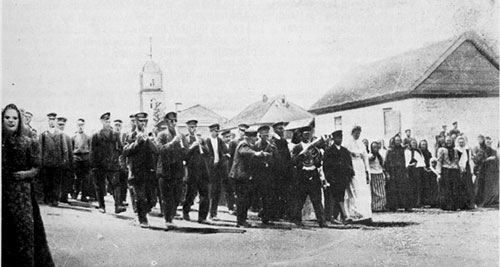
pixel 305 129
pixel 52 114
pixel 280 123
pixel 171 116
pixel 132 116
pixel 63 119
pixel 80 119
pixel 118 121
pixel 243 126
pixel 263 128
pixel 141 115
pixel 225 132
pixel 337 133
pixel 251 133
pixel 214 126
pixel 191 122
pixel 105 116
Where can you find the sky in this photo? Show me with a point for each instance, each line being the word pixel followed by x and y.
pixel 83 58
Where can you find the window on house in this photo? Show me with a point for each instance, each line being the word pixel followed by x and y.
pixel 338 123
pixel 392 122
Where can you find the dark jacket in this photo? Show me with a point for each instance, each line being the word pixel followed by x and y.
pixel 222 149
pixel 264 165
pixel 242 169
pixel 105 150
pixel 68 151
pixel 283 161
pixel 141 156
pixel 195 160
pixel 52 149
pixel 337 164
pixel 170 152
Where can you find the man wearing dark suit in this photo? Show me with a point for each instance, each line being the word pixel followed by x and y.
pixel 117 127
pixel 227 183
pixel 105 150
pixel 140 152
pixel 217 151
pixel 283 172
pixel 68 176
pixel 243 173
pixel 52 154
pixel 337 166
pixel 234 143
pixel 127 139
pixel 170 170
pixel 198 174
pixel 266 181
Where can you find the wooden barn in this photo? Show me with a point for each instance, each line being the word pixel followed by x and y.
pixel 421 90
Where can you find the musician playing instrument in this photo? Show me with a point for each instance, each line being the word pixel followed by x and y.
pixel 307 159
pixel 198 173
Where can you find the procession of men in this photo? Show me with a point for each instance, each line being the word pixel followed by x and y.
pixel 255 170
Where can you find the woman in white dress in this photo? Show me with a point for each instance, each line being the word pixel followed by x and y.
pixel 358 195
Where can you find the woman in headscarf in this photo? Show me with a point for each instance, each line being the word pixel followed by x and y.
pixel 358 203
pixel 398 183
pixel 23 235
pixel 415 164
pixel 465 182
pixel 429 182
pixel 486 171
pixel 376 162
pixel 447 166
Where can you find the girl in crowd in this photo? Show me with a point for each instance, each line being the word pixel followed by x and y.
pixel 376 162
pixel 447 166
pixel 465 183
pixel 415 163
pixel 23 234
pixel 429 182
pixel 358 204
pixel 486 171
pixel 398 183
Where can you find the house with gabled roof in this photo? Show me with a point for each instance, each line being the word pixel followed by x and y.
pixel 452 80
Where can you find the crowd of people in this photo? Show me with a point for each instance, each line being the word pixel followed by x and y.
pixel 345 180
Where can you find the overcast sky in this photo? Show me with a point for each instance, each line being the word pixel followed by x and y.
pixel 82 58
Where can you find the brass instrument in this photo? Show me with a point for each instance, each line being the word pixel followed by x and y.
pixel 177 134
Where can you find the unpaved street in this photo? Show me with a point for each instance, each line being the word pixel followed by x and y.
pixel 81 236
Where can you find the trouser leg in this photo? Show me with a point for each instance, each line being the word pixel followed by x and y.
pixel 315 196
pixel 242 200
pixel 228 192
pixel 113 178
pixel 203 189
pixel 100 186
pixel 215 190
pixel 139 190
pixel 191 190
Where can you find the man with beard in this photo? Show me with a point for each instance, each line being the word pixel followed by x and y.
pixel 283 172
pixel 172 149
pixel 68 177
pixel 52 154
pixel 81 156
pixel 140 152
pixel 198 174
pixel 105 150
pixel 243 174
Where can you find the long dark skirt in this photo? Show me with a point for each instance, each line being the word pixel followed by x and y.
pixel 449 189
pixel 487 184
pixel 23 235
pixel 398 189
pixel 431 188
pixel 416 176
pixel 466 187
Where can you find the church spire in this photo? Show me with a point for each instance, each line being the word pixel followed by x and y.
pixel 151 47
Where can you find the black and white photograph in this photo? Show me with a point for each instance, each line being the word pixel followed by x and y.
pixel 250 133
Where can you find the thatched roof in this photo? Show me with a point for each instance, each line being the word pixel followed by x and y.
pixel 203 115
pixel 268 111
pixel 402 76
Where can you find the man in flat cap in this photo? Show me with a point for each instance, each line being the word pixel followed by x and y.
pixel 243 174
pixel 68 177
pixel 307 160
pixel 52 155
pixel 127 139
pixel 105 150
pixel 217 150
pixel 455 131
pixel 407 139
pixel 283 172
pixel 266 182
pixel 227 183
pixel 234 143
pixel 337 166
pixel 140 152
pixel 27 123
pixel 198 178
pixel 170 170
pixel 81 158
pixel 117 127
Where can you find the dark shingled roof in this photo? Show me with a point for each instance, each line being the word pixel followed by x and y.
pixel 268 111
pixel 400 77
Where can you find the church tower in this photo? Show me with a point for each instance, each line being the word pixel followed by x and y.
pixel 152 96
